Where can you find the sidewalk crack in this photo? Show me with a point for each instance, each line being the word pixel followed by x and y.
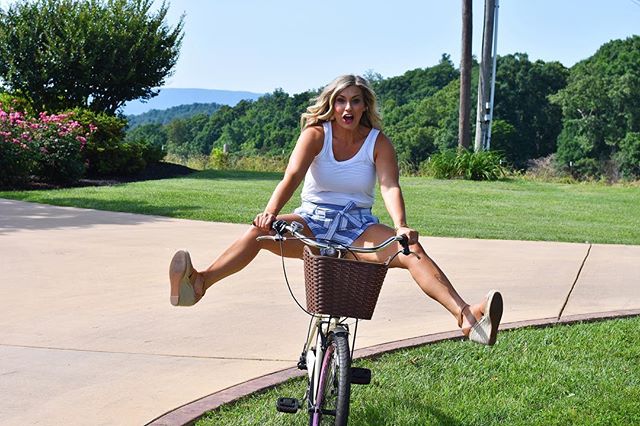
pixel 575 281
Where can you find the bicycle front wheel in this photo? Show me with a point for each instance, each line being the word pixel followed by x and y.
pixel 334 386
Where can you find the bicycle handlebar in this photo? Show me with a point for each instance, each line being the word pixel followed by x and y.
pixel 281 227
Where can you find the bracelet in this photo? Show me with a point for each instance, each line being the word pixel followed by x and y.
pixel 401 226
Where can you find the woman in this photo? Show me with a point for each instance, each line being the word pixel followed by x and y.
pixel 339 153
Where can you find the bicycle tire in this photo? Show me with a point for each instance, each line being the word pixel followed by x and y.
pixel 334 386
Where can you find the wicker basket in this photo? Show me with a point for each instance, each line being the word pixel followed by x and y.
pixel 342 287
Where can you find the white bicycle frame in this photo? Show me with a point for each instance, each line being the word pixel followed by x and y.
pixel 322 324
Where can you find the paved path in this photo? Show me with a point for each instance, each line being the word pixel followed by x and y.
pixel 87 334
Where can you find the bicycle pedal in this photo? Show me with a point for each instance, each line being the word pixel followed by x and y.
pixel 302 362
pixel 287 405
pixel 360 376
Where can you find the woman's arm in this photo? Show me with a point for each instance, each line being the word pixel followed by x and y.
pixel 309 145
pixel 389 178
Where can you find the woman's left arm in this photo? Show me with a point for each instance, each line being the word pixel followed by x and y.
pixel 386 163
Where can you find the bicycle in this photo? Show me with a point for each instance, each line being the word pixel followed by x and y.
pixel 332 282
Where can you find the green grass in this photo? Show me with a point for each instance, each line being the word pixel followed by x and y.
pixel 516 209
pixel 584 374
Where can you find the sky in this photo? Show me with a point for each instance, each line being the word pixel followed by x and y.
pixel 297 45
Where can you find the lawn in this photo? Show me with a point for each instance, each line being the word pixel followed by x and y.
pixel 583 374
pixel 513 209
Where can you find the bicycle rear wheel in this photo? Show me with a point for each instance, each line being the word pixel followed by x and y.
pixel 334 386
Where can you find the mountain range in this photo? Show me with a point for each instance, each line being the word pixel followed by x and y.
pixel 170 97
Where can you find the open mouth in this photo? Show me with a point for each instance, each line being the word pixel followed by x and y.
pixel 348 118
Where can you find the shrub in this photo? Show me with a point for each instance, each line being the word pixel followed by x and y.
pixel 17 160
pixel 109 154
pixel 103 152
pixel 546 169
pixel 441 165
pixel 47 146
pixel 484 165
pixel 61 142
pixel 219 160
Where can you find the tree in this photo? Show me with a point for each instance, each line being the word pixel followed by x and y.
pixel 416 84
pixel 96 54
pixel 522 91
pixel 601 110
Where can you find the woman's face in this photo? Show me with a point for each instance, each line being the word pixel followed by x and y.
pixel 348 107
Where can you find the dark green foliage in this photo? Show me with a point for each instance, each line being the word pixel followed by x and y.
pixel 109 154
pixel 60 160
pixel 504 136
pixel 16 165
pixel 165 116
pixel 601 106
pixel 629 155
pixel 416 84
pixel 521 101
pixel 420 128
pixel 152 133
pixel 95 54
pixel 267 126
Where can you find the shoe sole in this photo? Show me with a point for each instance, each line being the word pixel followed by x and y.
pixel 496 307
pixel 177 270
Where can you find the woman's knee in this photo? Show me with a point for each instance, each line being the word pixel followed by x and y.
pixel 412 260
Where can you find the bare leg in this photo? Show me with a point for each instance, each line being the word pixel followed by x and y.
pixel 426 273
pixel 241 253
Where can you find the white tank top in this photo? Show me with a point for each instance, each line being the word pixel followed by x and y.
pixel 329 181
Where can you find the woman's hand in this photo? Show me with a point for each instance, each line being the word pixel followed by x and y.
pixel 264 220
pixel 412 234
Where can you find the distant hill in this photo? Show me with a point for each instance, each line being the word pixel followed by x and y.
pixel 164 116
pixel 169 97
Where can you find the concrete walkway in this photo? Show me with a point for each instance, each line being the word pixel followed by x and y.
pixel 87 334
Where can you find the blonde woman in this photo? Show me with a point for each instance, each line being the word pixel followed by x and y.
pixel 339 155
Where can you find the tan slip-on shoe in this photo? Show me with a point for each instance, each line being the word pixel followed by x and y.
pixel 180 270
pixel 485 331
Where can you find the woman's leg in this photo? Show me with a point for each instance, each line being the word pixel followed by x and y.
pixel 241 253
pixel 431 279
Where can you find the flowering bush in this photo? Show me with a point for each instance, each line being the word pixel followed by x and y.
pixel 109 152
pixel 47 146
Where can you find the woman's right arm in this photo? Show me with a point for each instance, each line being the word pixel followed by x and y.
pixel 309 145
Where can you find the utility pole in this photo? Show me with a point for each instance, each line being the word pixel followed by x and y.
pixel 485 107
pixel 493 73
pixel 464 117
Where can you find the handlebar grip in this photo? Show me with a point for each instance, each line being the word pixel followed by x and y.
pixel 404 242
pixel 280 226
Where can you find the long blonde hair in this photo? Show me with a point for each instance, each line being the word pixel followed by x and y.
pixel 322 109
